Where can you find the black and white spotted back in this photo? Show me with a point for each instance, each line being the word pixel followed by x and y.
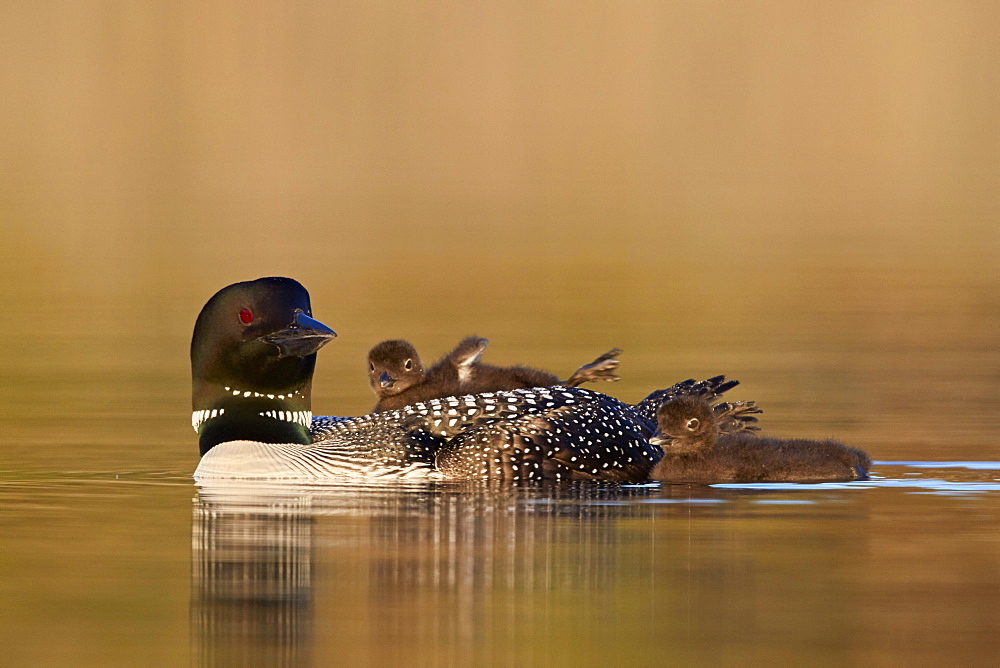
pixel 597 437
pixel 551 432
pixel 526 434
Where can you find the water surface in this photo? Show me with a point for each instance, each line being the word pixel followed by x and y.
pixel 801 195
pixel 112 554
pixel 901 568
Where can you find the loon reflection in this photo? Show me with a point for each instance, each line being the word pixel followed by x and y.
pixel 413 545
pixel 251 582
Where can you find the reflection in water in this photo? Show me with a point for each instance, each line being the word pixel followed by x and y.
pixel 251 581
pixel 253 559
pixel 589 574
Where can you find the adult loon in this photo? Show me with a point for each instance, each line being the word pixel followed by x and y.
pixel 697 448
pixel 252 358
pixel 398 378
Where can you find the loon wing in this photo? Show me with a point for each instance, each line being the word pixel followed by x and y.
pixel 596 438
pixel 710 389
pixel 536 433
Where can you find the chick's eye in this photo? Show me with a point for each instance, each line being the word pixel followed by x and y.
pixel 692 424
pixel 408 364
pixel 246 316
pixel 371 367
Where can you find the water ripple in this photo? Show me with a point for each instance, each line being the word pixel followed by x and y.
pixel 914 485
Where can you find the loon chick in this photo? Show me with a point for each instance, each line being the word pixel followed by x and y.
pixel 695 449
pixel 252 358
pixel 398 378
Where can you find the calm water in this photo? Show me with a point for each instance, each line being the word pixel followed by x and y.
pixel 148 569
pixel 111 554
pixel 799 194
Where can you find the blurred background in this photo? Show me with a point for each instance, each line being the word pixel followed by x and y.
pixel 801 194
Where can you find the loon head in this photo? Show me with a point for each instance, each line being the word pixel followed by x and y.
pixel 393 367
pixel 252 358
pixel 685 424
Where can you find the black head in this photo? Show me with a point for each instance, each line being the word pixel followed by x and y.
pixel 393 367
pixel 254 349
pixel 685 423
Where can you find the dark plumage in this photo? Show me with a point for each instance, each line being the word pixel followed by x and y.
pixel 252 357
pixel 398 378
pixel 695 449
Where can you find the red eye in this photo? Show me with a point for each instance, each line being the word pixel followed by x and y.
pixel 246 316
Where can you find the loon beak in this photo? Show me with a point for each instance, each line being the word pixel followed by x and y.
pixel 385 380
pixel 303 337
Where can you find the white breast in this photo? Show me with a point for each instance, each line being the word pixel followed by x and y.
pixel 292 461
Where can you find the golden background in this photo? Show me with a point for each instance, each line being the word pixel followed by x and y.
pixel 799 194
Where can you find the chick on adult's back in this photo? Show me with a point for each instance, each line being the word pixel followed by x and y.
pixel 253 352
pixel 398 378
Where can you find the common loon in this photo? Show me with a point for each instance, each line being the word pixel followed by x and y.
pixel 697 448
pixel 397 376
pixel 252 357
